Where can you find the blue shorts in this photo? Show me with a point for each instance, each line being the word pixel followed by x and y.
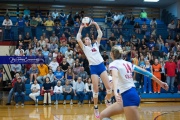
pixel 130 98
pixel 97 69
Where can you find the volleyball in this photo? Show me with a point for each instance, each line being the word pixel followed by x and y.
pixel 86 21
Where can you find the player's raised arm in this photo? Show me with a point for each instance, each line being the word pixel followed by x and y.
pixel 98 31
pixel 78 37
pixel 150 75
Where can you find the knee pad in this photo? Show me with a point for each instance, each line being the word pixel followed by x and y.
pixel 95 94
pixel 109 91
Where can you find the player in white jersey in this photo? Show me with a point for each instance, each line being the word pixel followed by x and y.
pixel 122 76
pixel 97 67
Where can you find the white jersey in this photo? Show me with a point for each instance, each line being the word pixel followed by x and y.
pixel 92 53
pixel 125 69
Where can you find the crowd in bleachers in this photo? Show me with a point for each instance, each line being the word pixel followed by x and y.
pixel 66 69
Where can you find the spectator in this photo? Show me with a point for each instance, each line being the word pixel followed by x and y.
pixel 151 44
pixel 153 23
pixel 142 65
pixel 39 20
pixel 70 60
pixel 27 13
pixel 83 74
pixel 71 43
pixel 59 58
pixel 63 48
pixel 116 18
pixel 160 43
pixel 156 68
pixel 166 48
pixel 108 17
pixel 62 16
pixel 102 91
pixel 76 68
pixel 59 75
pixel 105 57
pixel 35 89
pixel 171 28
pixel 76 16
pixel 112 40
pixel 170 70
pixel 143 15
pixel 147 81
pixel 47 90
pixel 17 51
pixel 33 73
pixel 163 77
pixel 70 76
pixel 55 14
pixel 33 24
pixel 68 52
pixel 137 28
pixel 177 38
pixel 178 26
pixel 70 19
pixel 170 41
pixel 15 68
pixel 45 52
pixel 20 23
pixel 27 40
pixel 178 73
pixel 58 92
pixel 53 64
pixel 47 44
pixel 43 71
pixel 156 52
pixel 12 89
pixel 132 19
pixel 79 90
pixel 49 26
pixel 63 39
pixel 54 38
pixel 7 23
pixel 134 40
pixel 53 47
pixel 67 90
pixel 51 76
pixel 42 42
pixel 57 22
pixel 77 24
pixel 19 90
pixel 49 58
pixel 144 28
pixel 89 90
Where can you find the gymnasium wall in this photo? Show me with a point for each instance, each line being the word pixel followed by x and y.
pixel 174 9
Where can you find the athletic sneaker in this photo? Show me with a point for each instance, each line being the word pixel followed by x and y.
pixel 96 112
pixel 17 104
pixel 22 104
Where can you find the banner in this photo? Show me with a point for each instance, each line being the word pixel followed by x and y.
pixel 21 60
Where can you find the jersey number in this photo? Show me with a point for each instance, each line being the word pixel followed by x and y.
pixel 93 50
pixel 128 68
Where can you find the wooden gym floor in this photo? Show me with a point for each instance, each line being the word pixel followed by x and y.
pixel 148 111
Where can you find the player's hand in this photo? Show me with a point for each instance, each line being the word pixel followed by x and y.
pixel 118 98
pixel 164 86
